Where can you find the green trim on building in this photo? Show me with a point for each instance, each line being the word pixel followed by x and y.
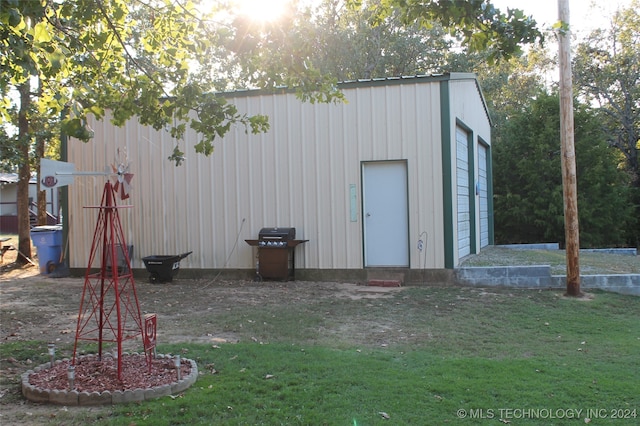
pixel 471 151
pixel 447 175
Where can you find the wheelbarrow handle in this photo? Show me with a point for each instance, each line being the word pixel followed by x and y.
pixel 183 255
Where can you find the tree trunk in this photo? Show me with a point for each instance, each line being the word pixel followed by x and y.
pixel 24 174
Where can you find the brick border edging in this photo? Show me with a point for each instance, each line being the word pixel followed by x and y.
pixel 75 398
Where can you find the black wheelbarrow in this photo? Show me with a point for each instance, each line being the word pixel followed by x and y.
pixel 162 269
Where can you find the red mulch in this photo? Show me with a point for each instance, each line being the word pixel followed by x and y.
pixel 93 375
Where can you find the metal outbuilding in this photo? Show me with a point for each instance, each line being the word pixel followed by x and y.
pixel 398 177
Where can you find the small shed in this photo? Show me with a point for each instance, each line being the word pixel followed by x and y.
pixel 398 177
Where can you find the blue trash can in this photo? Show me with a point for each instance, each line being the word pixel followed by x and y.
pixel 48 242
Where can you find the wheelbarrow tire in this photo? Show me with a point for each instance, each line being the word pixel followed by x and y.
pixel 153 278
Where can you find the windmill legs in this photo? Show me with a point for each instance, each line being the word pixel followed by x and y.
pixel 109 308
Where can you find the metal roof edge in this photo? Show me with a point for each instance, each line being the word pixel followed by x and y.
pixel 474 77
pixel 7 178
pixel 484 103
pixel 377 81
pixel 372 82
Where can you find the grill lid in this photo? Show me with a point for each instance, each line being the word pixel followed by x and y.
pixel 276 237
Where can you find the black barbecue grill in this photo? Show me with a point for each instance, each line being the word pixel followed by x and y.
pixel 276 253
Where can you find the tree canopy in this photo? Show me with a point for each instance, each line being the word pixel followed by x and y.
pixel 482 26
pixel 607 72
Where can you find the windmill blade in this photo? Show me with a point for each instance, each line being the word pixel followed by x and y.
pixel 123 185
pixel 121 176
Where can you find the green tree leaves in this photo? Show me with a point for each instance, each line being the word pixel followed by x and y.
pixel 607 72
pixel 528 183
pixel 478 22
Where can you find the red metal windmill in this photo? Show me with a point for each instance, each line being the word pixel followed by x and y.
pixel 109 308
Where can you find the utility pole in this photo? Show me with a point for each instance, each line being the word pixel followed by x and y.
pixel 571 231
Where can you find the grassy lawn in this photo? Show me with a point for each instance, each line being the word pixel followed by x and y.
pixel 424 356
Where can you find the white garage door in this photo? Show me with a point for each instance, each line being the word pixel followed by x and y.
pixel 483 194
pixel 463 193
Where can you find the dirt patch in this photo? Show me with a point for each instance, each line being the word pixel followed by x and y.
pixel 583 297
pixel 35 307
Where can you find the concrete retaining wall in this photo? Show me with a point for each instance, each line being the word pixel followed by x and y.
pixel 540 277
pixel 534 246
pixel 623 251
pixel 623 283
pixel 555 246
pixel 506 276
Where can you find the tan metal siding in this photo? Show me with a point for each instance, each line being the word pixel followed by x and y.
pixel 297 174
pixel 425 177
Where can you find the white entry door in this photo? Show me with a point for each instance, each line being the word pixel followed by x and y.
pixel 386 217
